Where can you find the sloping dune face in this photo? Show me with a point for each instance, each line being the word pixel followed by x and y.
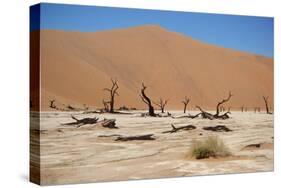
pixel 76 66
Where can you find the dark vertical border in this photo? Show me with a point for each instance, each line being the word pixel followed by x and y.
pixel 34 94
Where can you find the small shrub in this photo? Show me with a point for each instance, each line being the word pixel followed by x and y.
pixel 210 147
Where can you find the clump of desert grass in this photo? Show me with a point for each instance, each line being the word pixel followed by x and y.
pixel 210 147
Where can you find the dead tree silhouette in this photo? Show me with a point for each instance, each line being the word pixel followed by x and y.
pixel 147 101
pixel 161 104
pixel 242 108
pixel 217 115
pixel 112 91
pixel 52 104
pixel 185 103
pixel 266 104
pixel 222 102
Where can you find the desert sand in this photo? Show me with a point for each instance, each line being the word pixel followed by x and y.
pixel 76 66
pixel 90 153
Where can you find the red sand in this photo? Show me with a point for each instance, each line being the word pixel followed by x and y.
pixel 76 66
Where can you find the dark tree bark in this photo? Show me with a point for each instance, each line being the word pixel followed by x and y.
pixel 204 114
pixel 52 104
pixel 81 122
pixel 147 101
pixel 185 103
pixel 218 128
pixel 207 115
pixel 109 123
pixel 162 103
pixel 266 104
pixel 176 129
pixel 222 102
pixel 112 91
pixel 131 138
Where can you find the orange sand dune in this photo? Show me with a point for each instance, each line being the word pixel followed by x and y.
pixel 76 66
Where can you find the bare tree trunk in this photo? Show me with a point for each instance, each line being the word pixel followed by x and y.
pixel 222 102
pixel 147 101
pixel 210 116
pixel 112 91
pixel 52 104
pixel 162 103
pixel 266 105
pixel 185 103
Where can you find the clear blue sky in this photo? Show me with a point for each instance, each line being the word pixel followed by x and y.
pixel 245 33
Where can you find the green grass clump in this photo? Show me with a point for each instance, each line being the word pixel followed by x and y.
pixel 210 147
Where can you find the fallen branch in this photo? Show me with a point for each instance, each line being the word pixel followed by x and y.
pixel 109 123
pixel 218 128
pixel 131 138
pixel 187 116
pixel 81 122
pixel 176 129
pixel 111 135
pixel 204 114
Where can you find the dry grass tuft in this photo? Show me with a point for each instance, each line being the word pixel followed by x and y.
pixel 210 147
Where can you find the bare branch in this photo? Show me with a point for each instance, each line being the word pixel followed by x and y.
pixel 266 104
pixel 222 102
pixel 113 92
pixel 147 101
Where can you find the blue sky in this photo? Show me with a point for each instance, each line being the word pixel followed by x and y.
pixel 244 33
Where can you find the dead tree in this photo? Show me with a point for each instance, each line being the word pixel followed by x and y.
pixel 147 101
pixel 218 128
pixel 162 103
pixel 112 91
pixel 204 114
pixel 52 104
pixel 109 123
pixel 131 138
pixel 81 122
pixel 185 103
pixel 266 104
pixel 222 102
pixel 207 115
pixel 242 108
pixel 176 129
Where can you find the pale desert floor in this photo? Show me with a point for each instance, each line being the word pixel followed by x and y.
pixel 79 155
